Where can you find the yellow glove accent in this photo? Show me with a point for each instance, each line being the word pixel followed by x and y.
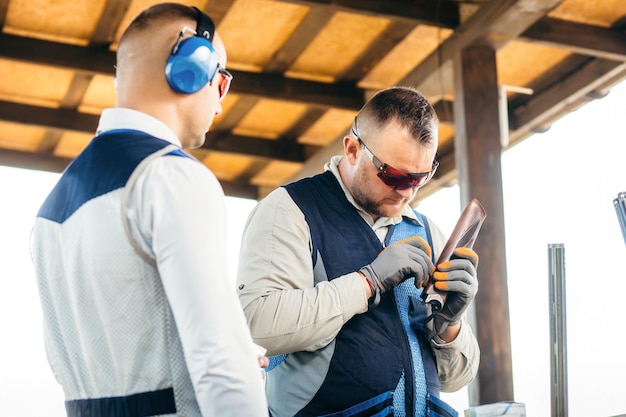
pixel 429 251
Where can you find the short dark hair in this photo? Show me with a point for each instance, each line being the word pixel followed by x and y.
pixel 159 13
pixel 405 105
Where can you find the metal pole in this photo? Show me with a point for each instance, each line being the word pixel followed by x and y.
pixel 558 330
pixel 620 210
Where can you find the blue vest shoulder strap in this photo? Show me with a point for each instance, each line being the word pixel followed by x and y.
pixel 103 166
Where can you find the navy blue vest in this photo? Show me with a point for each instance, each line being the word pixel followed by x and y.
pixel 371 350
pixel 105 165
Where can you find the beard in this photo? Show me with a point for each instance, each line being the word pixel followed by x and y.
pixel 362 193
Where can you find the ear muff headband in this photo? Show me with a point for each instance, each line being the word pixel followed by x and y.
pixel 205 26
pixel 193 61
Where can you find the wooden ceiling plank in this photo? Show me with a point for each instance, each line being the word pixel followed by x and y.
pixel 234 116
pixel 97 60
pixel 392 36
pixel 579 38
pixel 549 77
pixel 496 22
pixel 444 177
pixel 78 121
pixel 443 14
pixel 77 89
pixel 282 150
pixel 52 163
pixel 315 163
pixel 307 31
pixel 110 20
pixel 217 9
pixel 49 142
pixel 240 189
pixel 68 119
pixel 252 170
pixel 4 6
pixel 343 95
pixel 445 111
pixel 538 110
pixel 32 160
pixel 307 120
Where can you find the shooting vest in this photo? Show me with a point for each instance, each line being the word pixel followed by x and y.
pixel 372 357
pixel 110 335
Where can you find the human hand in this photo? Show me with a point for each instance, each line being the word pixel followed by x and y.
pixel 397 262
pixel 264 361
pixel 457 277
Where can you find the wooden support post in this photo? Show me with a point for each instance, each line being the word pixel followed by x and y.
pixel 477 153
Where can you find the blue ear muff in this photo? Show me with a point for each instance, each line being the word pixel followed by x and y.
pixel 191 65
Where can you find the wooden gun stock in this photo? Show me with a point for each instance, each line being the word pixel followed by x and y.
pixel 464 235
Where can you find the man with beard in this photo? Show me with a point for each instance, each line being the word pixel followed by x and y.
pixel 331 270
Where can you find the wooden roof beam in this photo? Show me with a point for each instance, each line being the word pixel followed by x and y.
pixel 345 95
pixel 496 22
pixel 392 36
pixel 110 20
pixel 51 118
pixel 444 14
pixel 53 163
pixel 217 9
pixel 282 150
pixel 567 94
pixel 33 160
pixel 240 189
pixel 4 6
pixel 307 30
pixel 98 60
pixel 540 110
pixel 578 38
pixel 101 61
pixel 69 119
pixel 401 26
pixel 444 177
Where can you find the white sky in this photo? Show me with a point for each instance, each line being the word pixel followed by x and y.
pixel 558 186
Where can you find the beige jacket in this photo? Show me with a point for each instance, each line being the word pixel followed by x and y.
pixel 288 312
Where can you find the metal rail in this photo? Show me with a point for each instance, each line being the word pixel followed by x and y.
pixel 558 330
pixel 620 209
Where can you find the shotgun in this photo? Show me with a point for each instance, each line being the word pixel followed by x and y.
pixel 464 234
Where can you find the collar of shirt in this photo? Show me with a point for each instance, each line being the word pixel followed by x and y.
pixel 407 211
pixel 122 118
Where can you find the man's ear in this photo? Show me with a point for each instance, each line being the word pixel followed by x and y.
pixel 351 149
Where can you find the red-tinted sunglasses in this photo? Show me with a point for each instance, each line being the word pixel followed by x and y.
pixel 394 177
pixel 224 84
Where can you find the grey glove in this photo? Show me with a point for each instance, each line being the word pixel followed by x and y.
pixel 398 262
pixel 458 278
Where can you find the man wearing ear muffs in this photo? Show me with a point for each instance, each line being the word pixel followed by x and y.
pixel 139 315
